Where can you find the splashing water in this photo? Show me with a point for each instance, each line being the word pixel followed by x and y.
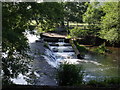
pixel 31 37
pixel 62 52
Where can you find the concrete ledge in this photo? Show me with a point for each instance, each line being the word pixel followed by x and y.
pixel 74 47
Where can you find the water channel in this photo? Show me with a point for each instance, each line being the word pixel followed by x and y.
pixel 95 66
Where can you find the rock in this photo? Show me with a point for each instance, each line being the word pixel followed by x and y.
pixel 80 56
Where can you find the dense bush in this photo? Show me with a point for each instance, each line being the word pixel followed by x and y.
pixel 78 32
pixel 110 24
pixel 69 75
pixel 101 49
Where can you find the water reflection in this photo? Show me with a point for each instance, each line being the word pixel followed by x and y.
pixel 110 64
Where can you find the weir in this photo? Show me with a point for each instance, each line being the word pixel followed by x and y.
pixel 58 53
pixel 61 51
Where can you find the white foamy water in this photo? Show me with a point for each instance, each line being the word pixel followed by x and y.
pixel 31 37
pixel 52 63
pixel 62 47
pixel 60 56
pixel 62 52
pixel 19 80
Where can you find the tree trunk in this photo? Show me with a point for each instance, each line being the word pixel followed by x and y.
pixel 68 27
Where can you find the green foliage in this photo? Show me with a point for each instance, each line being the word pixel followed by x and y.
pixel 110 22
pixel 73 11
pixel 14 43
pixel 69 75
pixel 93 16
pixel 32 27
pixel 53 29
pixel 101 49
pixel 78 32
pixel 39 30
pixel 68 36
pixel 113 81
pixel 103 20
pixel 47 15
pixel 50 15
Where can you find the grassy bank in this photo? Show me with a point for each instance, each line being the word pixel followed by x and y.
pixel 101 49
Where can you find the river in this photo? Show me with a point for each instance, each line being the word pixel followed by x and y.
pixel 109 64
pixel 96 66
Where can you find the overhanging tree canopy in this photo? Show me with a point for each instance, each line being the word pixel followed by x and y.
pixel 14 43
pixel 110 26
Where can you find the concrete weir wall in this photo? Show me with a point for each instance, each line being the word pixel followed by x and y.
pixel 56 39
pixel 31 87
pixel 77 52
pixel 74 47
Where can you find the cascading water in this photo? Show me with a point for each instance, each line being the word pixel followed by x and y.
pixel 61 51
pixel 58 53
pixel 95 66
pixel 50 57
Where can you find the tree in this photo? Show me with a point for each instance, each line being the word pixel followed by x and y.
pixel 110 24
pixel 74 11
pixel 14 44
pixel 93 16
pixel 16 19
pixel 53 14
pixel 78 32
pixel 47 14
